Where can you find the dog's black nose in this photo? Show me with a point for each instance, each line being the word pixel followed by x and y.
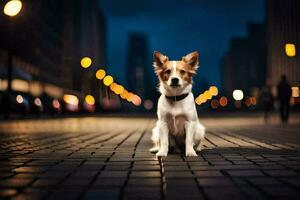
pixel 174 81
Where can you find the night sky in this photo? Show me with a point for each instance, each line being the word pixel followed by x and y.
pixel 177 27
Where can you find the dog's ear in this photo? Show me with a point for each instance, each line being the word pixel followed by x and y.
pixel 159 60
pixel 192 59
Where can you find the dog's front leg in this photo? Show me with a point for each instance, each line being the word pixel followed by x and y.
pixel 189 139
pixel 163 139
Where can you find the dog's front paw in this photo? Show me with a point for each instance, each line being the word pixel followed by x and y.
pixel 154 149
pixel 161 153
pixel 190 153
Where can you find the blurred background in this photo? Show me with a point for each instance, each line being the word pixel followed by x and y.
pixel 62 57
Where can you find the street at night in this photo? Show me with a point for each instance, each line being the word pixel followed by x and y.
pixel 109 158
pixel 149 100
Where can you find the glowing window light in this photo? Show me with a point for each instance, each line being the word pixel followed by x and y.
pixel 37 102
pixel 100 74
pixel 223 101
pixel 71 99
pixel 12 8
pixel 113 86
pixel 295 92
pixel 86 62
pixel 214 104
pixel 53 91
pixel 20 85
pixel 290 50
pixel 108 80
pixel 207 95
pixel 19 99
pixel 89 99
pixel 35 88
pixel 213 90
pixel 237 95
pixel 119 89
pixel 3 85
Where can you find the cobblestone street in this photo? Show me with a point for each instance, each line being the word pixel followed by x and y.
pixel 108 158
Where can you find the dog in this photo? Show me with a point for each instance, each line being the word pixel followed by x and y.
pixel 176 111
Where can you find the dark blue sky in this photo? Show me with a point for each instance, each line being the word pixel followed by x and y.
pixel 177 27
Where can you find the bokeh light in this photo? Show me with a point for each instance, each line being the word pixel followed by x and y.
pixel 136 100
pixel 148 104
pixel 129 96
pixel 207 95
pixel 213 90
pixel 71 99
pixel 119 89
pixel 19 98
pixel 113 87
pixel 223 101
pixel 37 102
pixel 12 8
pixel 295 92
pixel 100 74
pixel 290 50
pixel 108 80
pixel 214 104
pixel 86 62
pixel 56 104
pixel 237 95
pixel 89 99
pixel 124 94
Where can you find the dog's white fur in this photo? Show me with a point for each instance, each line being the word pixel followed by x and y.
pixel 177 118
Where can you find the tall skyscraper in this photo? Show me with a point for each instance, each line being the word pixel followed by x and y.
pixel 84 35
pixel 138 62
pixel 283 31
pixel 244 65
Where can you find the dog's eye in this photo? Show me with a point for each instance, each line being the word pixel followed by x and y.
pixel 168 71
pixel 182 72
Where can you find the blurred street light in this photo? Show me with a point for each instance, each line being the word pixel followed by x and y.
pixel 213 90
pixel 237 95
pixel 207 95
pixel 119 89
pixel 290 50
pixel 19 99
pixel 108 80
pixel 86 62
pixel 124 94
pixel 100 74
pixel 89 99
pixel 71 99
pixel 12 8
pixel 113 87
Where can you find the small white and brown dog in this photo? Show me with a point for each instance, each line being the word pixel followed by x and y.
pixel 176 110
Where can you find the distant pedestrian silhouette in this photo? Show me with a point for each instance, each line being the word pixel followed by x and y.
pixel 284 95
pixel 266 100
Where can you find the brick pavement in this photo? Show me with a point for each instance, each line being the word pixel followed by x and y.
pixel 108 158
